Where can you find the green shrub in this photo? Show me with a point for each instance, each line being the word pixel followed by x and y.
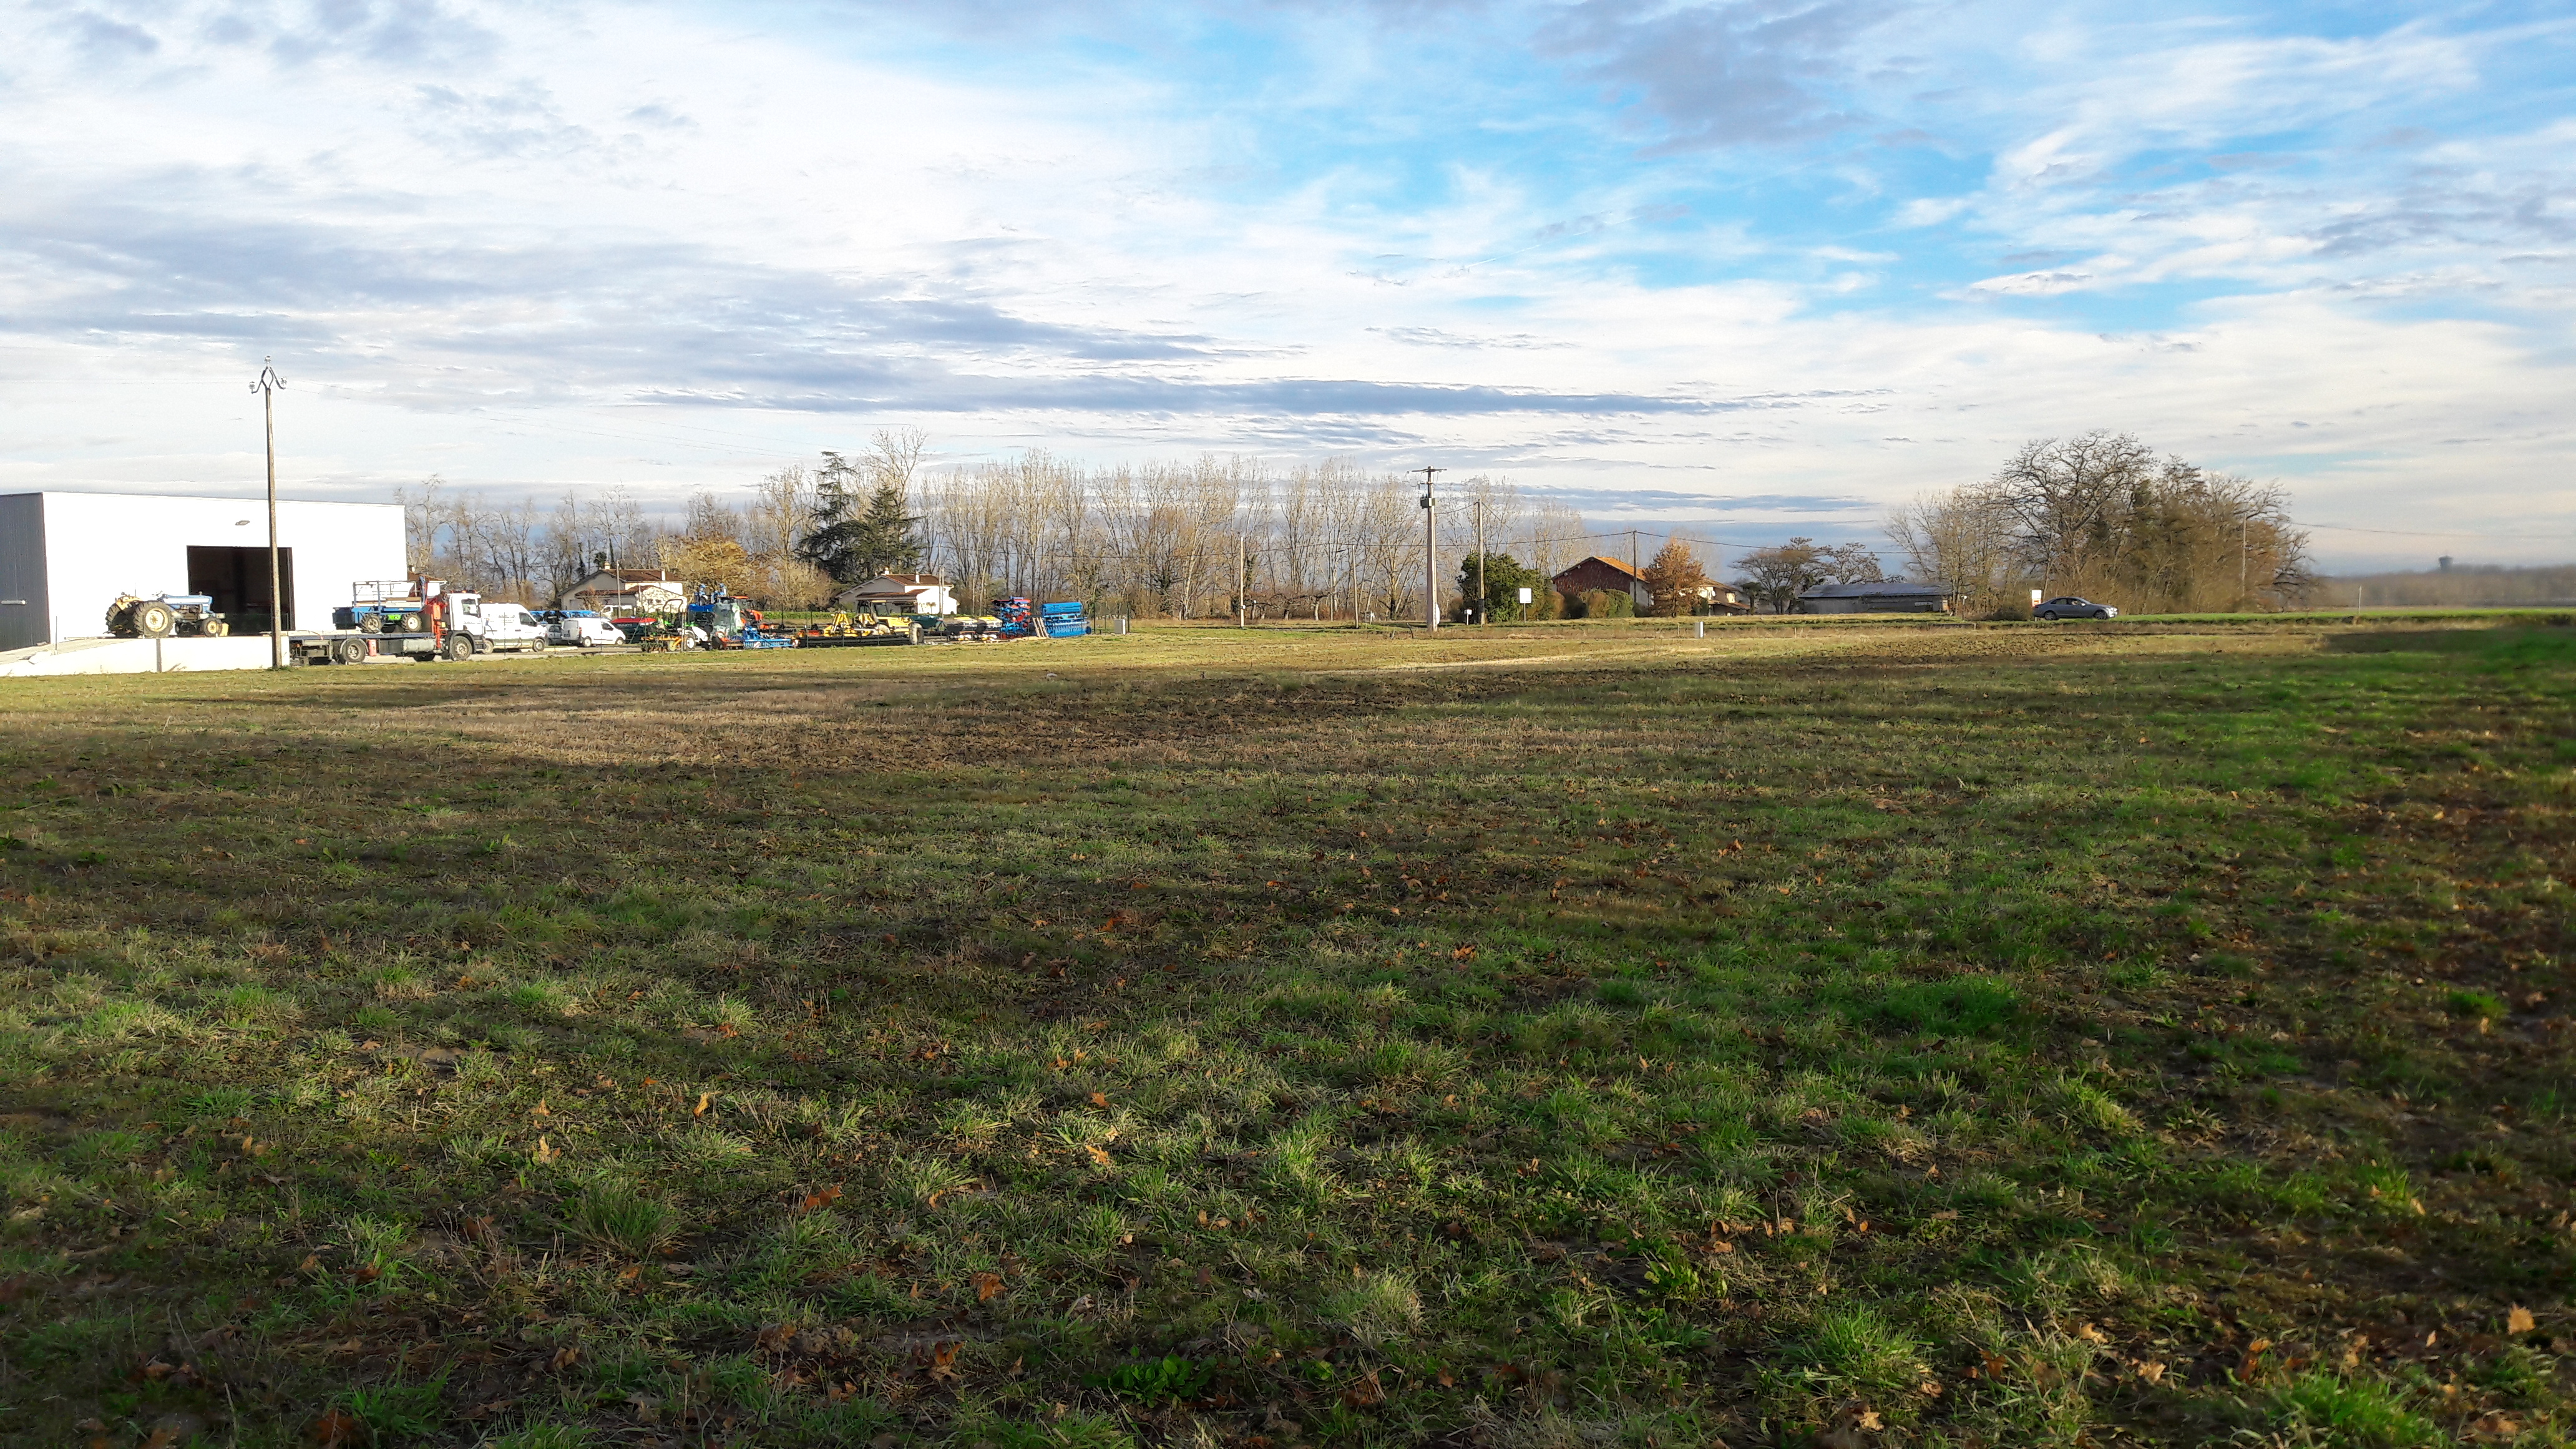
pixel 1604 604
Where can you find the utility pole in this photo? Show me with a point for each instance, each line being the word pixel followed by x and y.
pixel 1430 554
pixel 1632 564
pixel 1242 582
pixel 267 386
pixel 1482 603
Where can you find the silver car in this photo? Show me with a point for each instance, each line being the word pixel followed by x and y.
pixel 2071 607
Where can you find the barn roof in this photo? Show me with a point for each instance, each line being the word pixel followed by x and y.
pixel 1596 558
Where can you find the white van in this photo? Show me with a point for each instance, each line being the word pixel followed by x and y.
pixel 494 625
pixel 581 631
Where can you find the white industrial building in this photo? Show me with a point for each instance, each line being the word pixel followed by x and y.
pixel 64 557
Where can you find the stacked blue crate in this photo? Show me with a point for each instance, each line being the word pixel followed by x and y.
pixel 1064 621
pixel 1017 622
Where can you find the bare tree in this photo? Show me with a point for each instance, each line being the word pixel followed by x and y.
pixel 1963 538
pixel 424 515
pixel 1556 538
pixel 2063 496
pixel 2099 516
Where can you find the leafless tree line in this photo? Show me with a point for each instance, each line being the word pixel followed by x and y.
pixel 1180 538
pixel 529 553
pixel 2451 586
pixel 2100 516
pixel 522 551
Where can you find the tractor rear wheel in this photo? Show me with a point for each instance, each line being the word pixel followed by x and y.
pixel 371 623
pixel 411 623
pixel 153 619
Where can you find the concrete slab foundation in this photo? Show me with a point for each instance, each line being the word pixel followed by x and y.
pixel 135 656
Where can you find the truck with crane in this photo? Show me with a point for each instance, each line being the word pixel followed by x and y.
pixel 419 619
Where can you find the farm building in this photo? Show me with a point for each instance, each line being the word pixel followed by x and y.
pixel 922 593
pixel 627 591
pixel 64 557
pixel 1886 596
pixel 1608 575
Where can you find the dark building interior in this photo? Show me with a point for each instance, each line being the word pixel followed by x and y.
pixel 238 580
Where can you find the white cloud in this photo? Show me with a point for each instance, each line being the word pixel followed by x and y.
pixel 540 247
pixel 1930 210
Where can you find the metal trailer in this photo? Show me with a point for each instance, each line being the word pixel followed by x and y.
pixel 352 646
pixel 858 641
pixel 379 606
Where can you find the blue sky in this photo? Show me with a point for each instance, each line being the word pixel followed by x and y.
pixel 1766 265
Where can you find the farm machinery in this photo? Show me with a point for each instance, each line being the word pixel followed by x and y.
pixel 867 626
pixel 389 606
pixel 728 622
pixel 134 616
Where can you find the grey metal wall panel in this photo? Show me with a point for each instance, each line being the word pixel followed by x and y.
pixel 25 604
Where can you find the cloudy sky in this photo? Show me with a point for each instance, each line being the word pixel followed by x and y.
pixel 1769 264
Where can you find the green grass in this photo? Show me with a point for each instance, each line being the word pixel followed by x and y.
pixel 1573 1034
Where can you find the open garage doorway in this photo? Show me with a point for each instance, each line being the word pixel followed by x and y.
pixel 238 580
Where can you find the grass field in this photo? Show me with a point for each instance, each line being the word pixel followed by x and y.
pixel 1843 1035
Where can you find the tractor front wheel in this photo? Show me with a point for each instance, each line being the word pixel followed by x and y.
pixel 214 628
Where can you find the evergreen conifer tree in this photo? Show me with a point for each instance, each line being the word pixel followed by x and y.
pixel 854 541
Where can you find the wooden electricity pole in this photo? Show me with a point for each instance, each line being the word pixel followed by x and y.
pixel 1242 582
pixel 267 386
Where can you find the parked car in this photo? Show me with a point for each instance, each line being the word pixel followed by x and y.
pixel 581 631
pixel 2071 607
